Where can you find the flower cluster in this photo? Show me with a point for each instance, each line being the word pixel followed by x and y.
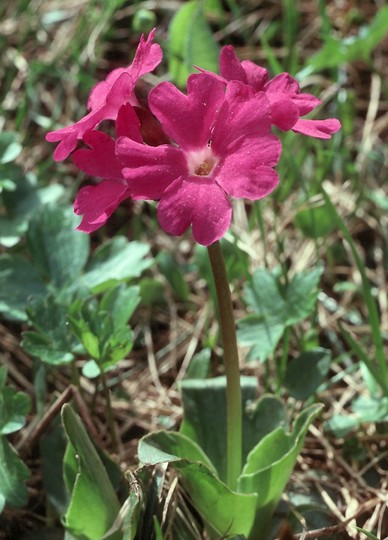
pixel 192 151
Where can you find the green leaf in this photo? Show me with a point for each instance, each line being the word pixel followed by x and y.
pixel 13 475
pixel 234 516
pixel 261 418
pixel 200 399
pixel 115 261
pixel 57 249
pixel 52 447
pixel 236 513
pixel 92 488
pixel 44 349
pixel 306 372
pixel 166 447
pixel 19 281
pixel 275 307
pixel 14 407
pixel 199 367
pixel 191 43
pixel 91 369
pixel 51 342
pixel 120 303
pixel 269 466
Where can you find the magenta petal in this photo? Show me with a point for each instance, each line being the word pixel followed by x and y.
pixel 281 85
pixel 284 114
pixel 320 129
pixel 230 66
pixel 97 203
pixel 198 202
pixel 127 123
pixel 246 71
pixel 188 119
pixel 247 173
pixel 71 134
pixel 243 113
pixel 148 55
pixel 306 103
pixel 149 170
pixel 101 160
pixel 256 75
pixel 283 88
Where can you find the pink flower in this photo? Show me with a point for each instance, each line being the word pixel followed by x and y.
pixel 108 96
pixel 223 147
pixel 287 102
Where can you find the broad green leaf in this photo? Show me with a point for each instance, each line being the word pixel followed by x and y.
pixel 57 249
pixel 261 418
pixel 92 487
pixel 201 398
pixel 301 295
pixel 191 43
pixel 52 447
pixel 199 367
pixel 275 307
pixel 115 261
pixel 261 334
pixel 51 341
pixel 91 369
pixel 120 303
pixel 41 347
pixel 19 281
pixel 14 406
pixel 165 446
pixel 269 466
pixel 306 372
pixel 13 475
pixel 102 327
pixel 224 510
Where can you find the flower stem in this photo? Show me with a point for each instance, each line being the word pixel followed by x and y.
pixel 111 422
pixel 231 362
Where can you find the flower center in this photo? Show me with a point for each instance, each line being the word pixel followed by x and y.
pixel 204 168
pixel 201 162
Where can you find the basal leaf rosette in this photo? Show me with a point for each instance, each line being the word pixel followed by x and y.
pixel 247 510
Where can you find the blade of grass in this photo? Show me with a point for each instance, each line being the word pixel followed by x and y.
pixel 373 315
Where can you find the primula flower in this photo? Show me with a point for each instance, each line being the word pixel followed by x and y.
pixel 223 146
pixel 190 152
pixel 108 96
pixel 288 104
